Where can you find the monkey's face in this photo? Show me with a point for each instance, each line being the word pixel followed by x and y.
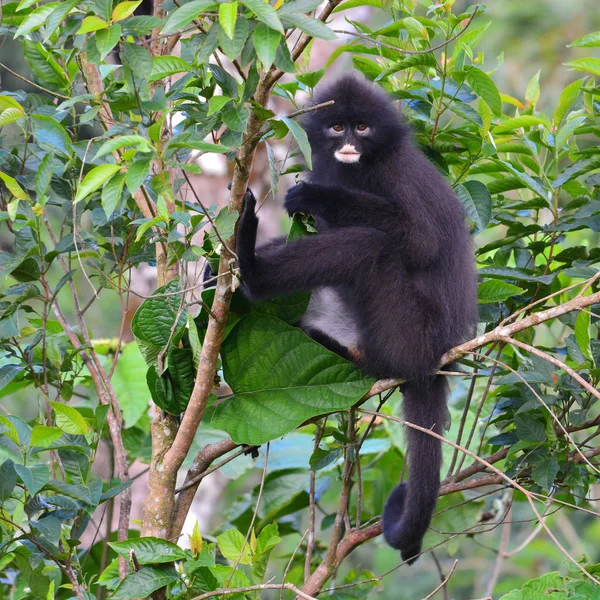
pixel 347 140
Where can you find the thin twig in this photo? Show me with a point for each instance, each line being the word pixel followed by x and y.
pixel 289 564
pixel 252 588
pixel 444 582
pixel 39 87
pixel 251 526
pixel 308 109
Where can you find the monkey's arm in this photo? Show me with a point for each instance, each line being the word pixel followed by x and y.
pixel 341 207
pixel 329 258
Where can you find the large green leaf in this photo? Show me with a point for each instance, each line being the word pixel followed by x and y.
pixel 51 134
pixel 149 550
pixel 129 383
pixel 482 84
pixel 228 17
pixel 265 13
pixel 122 141
pixel 145 581
pixel 477 201
pixel 518 122
pixel 587 65
pixel 69 419
pixel 152 323
pixel 281 378
pixel 184 15
pixel 496 290
pixel 301 138
pixel 95 179
pixel 309 25
pixel 8 479
pixel 34 478
pixel 36 19
pixel 163 66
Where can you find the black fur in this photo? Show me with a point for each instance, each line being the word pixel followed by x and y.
pixel 393 246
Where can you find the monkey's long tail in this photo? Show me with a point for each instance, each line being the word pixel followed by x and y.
pixel 409 508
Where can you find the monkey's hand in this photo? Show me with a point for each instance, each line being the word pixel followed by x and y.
pixel 306 198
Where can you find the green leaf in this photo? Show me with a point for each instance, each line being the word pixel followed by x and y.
pixel 591 40
pixel 69 419
pixel 273 170
pixel 34 478
pixel 58 14
pixel 163 66
pixel 236 117
pixel 582 333
pixel 298 6
pixel 44 175
pixel 482 84
pixel 187 142
pixel 8 479
pixel 215 104
pixel 115 490
pixel 124 10
pixel 149 550
pixel 13 187
pixel 280 379
pixel 477 201
pixel 311 78
pixel 532 93
pixel 283 59
pixel 112 193
pixel 184 15
pixel 581 167
pixel 587 65
pixel 107 39
pixel 265 13
pixel 122 141
pixel 301 138
pixel 137 172
pixel 138 59
pixel 157 315
pixel 322 458
pixel 10 115
pixel 36 19
pixel 44 436
pixel 529 427
pixel 97 177
pixel 518 122
pixel 545 470
pixel 51 134
pixel 225 222
pixel 231 543
pixel 496 290
pixel 129 383
pixel 567 97
pixel 228 17
pixel 145 581
pixel 309 25
pixel 527 180
pixel 90 24
pixel 233 47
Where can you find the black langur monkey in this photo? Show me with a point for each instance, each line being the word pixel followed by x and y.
pixel 391 271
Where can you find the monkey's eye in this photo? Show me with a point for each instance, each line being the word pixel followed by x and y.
pixel 338 128
pixel 362 127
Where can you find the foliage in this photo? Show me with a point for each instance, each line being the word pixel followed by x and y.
pixel 91 168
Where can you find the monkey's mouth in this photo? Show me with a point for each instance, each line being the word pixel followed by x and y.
pixel 347 154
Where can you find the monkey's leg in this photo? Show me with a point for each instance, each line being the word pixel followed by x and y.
pixel 329 258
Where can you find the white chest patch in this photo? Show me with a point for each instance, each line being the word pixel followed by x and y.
pixel 328 313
